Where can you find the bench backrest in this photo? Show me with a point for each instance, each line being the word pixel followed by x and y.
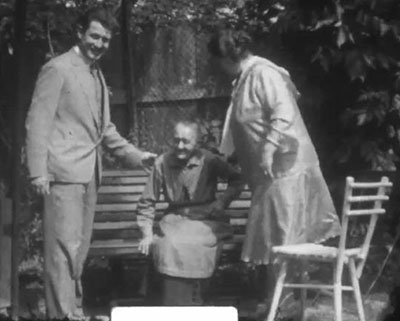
pixel 115 229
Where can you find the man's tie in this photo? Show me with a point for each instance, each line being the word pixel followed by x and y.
pixel 99 86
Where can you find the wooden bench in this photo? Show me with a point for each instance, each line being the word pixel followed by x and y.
pixel 116 233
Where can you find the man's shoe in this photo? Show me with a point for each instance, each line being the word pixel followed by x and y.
pixel 78 315
pixel 4 315
pixel 100 318
pixel 262 310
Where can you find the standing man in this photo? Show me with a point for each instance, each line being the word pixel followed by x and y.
pixel 67 125
pixel 187 246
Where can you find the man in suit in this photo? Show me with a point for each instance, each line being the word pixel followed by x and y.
pixel 67 125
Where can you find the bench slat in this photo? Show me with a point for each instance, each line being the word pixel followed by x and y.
pixel 131 215
pixel 131 225
pixel 140 180
pixel 124 180
pixel 118 189
pixel 161 206
pixel 127 234
pixel 139 187
pixel 114 248
pixel 124 173
pixel 134 197
pixel 114 216
pixel 120 198
pixel 115 225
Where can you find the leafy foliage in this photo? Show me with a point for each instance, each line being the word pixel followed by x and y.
pixel 170 13
pixel 350 50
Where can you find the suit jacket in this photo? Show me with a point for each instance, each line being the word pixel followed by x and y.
pixel 64 130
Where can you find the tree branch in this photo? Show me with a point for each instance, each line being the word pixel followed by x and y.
pixel 48 36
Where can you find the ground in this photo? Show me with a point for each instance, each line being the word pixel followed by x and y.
pixel 320 308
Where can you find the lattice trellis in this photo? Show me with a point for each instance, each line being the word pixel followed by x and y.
pixel 180 81
pixel 157 120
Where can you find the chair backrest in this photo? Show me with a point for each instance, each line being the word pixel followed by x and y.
pixel 361 199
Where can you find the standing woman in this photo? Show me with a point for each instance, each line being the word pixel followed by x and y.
pixel 290 199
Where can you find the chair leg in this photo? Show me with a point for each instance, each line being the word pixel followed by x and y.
pixel 303 292
pixel 337 296
pixel 277 292
pixel 356 289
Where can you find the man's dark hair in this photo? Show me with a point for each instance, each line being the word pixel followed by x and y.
pixel 102 15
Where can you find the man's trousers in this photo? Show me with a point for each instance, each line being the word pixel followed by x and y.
pixel 67 228
pixel 5 251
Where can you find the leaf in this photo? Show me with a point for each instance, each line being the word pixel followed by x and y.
pixel 383 60
pixel 273 20
pixel 375 23
pixel 384 28
pixel 10 49
pixel 346 117
pixel 278 7
pixel 360 18
pixel 339 10
pixel 362 118
pixel 343 154
pixel 341 37
pixel 325 64
pixel 70 4
pixel 370 60
pixel 323 23
pixel 355 65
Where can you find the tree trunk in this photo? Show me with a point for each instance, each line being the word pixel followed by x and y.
pixel 19 19
pixel 131 110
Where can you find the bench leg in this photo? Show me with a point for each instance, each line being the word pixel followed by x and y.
pixel 151 287
pixel 303 292
pixel 117 274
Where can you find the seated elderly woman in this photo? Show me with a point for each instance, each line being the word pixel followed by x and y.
pixel 186 248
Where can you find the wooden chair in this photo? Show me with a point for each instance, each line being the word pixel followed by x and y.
pixel 355 204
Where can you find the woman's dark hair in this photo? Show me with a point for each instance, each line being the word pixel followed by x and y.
pixel 103 15
pixel 228 43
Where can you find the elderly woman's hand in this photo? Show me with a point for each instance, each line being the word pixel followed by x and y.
pixel 145 244
pixel 267 158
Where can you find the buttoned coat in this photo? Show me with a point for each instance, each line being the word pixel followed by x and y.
pixel 64 130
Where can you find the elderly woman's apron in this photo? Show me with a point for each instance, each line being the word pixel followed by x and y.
pixel 189 247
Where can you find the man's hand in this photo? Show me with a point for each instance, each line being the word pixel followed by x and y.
pixel 148 160
pixel 145 243
pixel 267 158
pixel 41 185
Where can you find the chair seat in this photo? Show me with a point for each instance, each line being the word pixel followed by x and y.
pixel 313 251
